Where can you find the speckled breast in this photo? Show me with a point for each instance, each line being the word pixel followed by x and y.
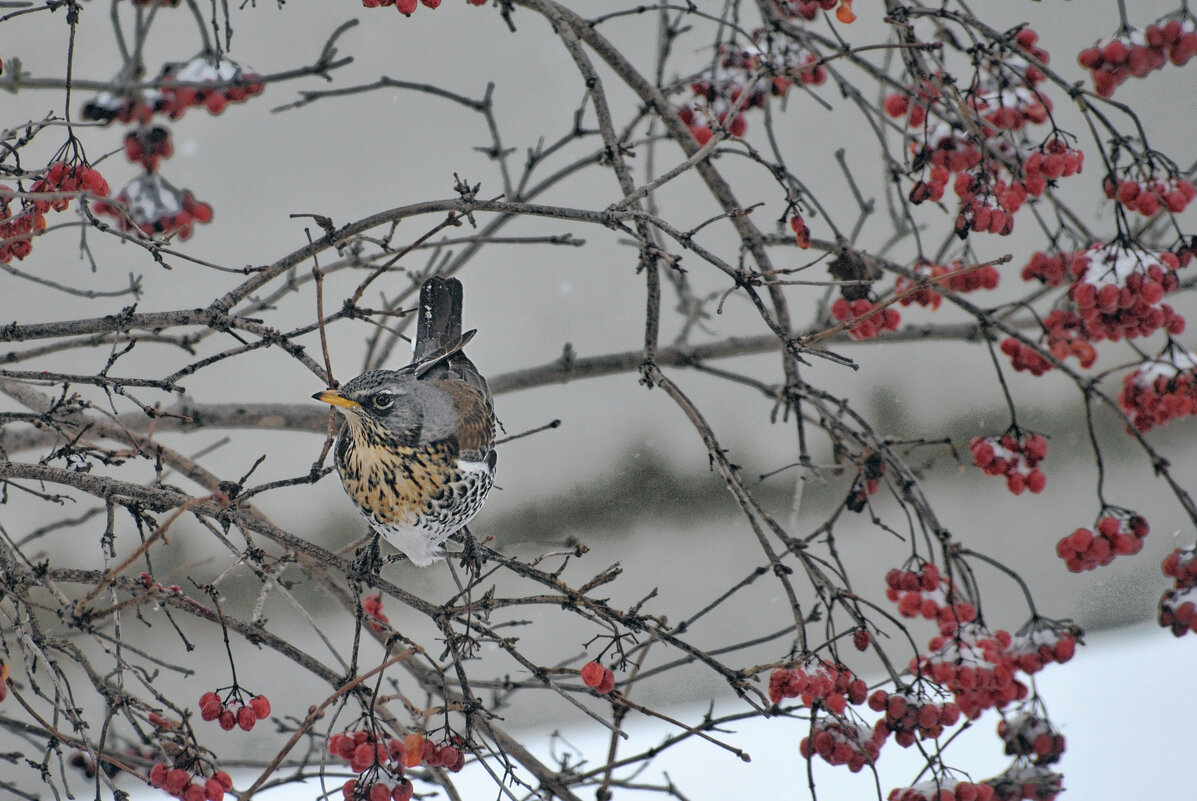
pixel 425 487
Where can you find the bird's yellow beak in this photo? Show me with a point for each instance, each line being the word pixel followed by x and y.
pixel 336 399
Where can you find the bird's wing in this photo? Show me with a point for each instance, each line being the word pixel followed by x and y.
pixel 476 419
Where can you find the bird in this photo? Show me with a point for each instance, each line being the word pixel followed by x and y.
pixel 416 452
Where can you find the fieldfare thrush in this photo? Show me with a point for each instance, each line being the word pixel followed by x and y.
pixel 416 454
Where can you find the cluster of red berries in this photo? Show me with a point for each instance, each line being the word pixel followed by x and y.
pixel 989 201
pixel 724 106
pixel 958 280
pixel 923 296
pixel 381 762
pixel 1178 605
pixel 232 712
pixel 1024 357
pixel 1051 269
pixel 1041 643
pixel 942 789
pixel 1055 159
pixel 932 187
pixel 1004 94
pixel 982 187
pixel 984 213
pixel 377 619
pixel 1181 565
pixel 1028 40
pixel 1161 389
pixel 1178 611
pixel 1064 334
pixel 801 232
pixel 1119 533
pixel 912 105
pixel 1152 193
pixel 401 790
pixel 233 83
pixel 1028 735
pixel 910 715
pixel 363 748
pixel 203 81
pixel 872 318
pixel 148 582
pixel 1023 781
pixel 986 277
pixel 1139 53
pixel 736 83
pixel 843 742
pixel 700 128
pixel 148 145
pixel 61 178
pixel 817 680
pixel 149 203
pixel 975 665
pixel 1003 103
pixel 796 64
pixel 17 230
pixel 809 9
pixel 928 594
pixel 152 205
pixel 406 7
pixel 1118 291
pixel 1011 109
pixel 1015 455
pixel 600 679
pixel 1067 336
pixel 185 785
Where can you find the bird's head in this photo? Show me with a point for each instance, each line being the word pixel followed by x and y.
pixel 389 399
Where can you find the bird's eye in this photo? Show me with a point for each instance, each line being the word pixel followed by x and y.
pixel 383 400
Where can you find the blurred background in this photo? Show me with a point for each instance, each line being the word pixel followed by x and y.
pixel 625 473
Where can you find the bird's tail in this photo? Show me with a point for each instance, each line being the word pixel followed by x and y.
pixel 439 338
pixel 438 327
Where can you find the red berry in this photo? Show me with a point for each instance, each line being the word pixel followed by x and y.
pixel 176 780
pixel 213 790
pixel 246 718
pixel 449 756
pixel 210 706
pixel 261 706
pixel 896 105
pixel 592 674
pixel 607 684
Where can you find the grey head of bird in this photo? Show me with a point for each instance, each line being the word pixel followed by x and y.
pixel 407 409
